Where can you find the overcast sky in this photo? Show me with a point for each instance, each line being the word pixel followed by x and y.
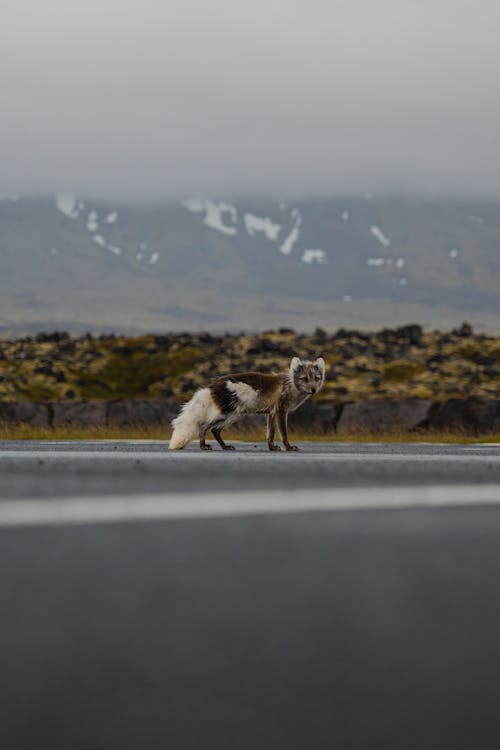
pixel 151 98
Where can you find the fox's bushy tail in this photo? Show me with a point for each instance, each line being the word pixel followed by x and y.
pixel 193 414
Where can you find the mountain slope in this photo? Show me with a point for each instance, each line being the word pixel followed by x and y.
pixel 79 263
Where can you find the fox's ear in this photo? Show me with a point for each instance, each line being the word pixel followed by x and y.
pixel 294 364
pixel 320 364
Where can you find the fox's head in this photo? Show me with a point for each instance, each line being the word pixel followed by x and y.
pixel 307 376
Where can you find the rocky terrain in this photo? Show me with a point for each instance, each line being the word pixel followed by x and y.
pixel 399 377
pixel 390 363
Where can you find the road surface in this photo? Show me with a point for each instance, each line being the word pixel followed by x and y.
pixel 130 467
pixel 346 597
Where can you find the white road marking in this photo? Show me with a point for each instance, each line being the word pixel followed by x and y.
pixel 257 455
pixel 122 509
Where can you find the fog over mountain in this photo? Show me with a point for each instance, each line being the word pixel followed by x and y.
pixel 146 99
pixel 247 264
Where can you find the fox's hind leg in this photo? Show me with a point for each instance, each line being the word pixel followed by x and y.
pixel 216 432
pixel 203 445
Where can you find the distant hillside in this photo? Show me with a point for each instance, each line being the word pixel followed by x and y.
pixel 80 264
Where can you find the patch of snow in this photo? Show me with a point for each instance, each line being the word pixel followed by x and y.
pixel 67 205
pixel 313 256
pixel 379 262
pixel 453 253
pixel 215 214
pixel 92 221
pixel 111 217
pixel 115 250
pixel 379 235
pixel 344 215
pixel 99 240
pixel 214 217
pixel 154 258
pixel 139 256
pixel 143 246
pixel 403 281
pixel 258 224
pixel 289 241
pixel 346 298
pixel 80 205
pixel 195 205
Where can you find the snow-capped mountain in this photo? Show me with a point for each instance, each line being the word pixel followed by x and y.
pixel 67 261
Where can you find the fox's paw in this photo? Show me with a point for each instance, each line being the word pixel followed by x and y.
pixel 292 448
pixel 205 447
pixel 229 448
pixel 274 447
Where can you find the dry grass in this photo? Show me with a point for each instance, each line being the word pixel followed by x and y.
pixel 26 432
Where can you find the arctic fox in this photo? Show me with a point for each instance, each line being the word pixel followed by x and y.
pixel 233 396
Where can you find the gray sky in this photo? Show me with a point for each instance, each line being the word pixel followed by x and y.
pixel 150 98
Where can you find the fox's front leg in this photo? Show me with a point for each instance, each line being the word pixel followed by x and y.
pixel 283 428
pixel 271 429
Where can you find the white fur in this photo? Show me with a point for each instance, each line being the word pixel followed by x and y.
pixel 320 362
pixel 294 364
pixel 247 396
pixel 199 411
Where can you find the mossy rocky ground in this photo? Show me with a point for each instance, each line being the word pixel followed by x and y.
pixel 392 363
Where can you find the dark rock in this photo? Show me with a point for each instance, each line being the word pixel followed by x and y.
pixel 53 337
pixel 472 415
pixel 265 346
pixel 28 412
pixel 319 336
pixel 163 341
pixel 464 331
pixel 139 413
pixel 384 415
pixel 411 333
pixel 340 390
pixel 387 336
pixel 79 414
pixel 315 416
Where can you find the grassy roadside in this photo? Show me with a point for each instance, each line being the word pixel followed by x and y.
pixel 26 432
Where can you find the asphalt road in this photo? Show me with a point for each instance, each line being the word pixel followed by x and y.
pixel 274 616
pixel 42 469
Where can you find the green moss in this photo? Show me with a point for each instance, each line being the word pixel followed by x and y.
pixel 401 370
pixel 471 353
pixel 36 392
pixel 130 374
pixel 495 353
